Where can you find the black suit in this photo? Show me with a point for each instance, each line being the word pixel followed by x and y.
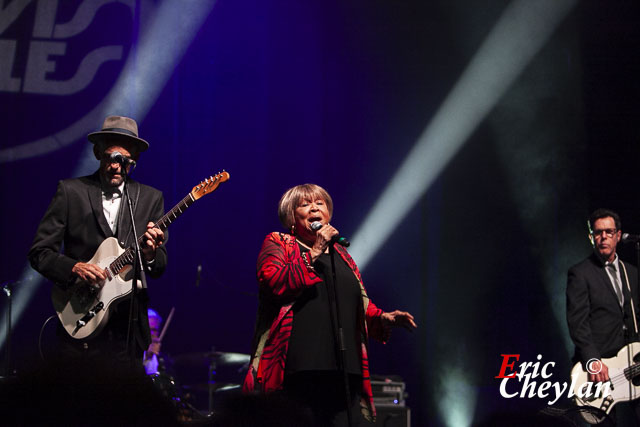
pixel 75 223
pixel 598 326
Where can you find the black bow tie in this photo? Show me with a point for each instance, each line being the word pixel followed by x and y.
pixel 110 193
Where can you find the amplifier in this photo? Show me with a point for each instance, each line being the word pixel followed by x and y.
pixel 388 391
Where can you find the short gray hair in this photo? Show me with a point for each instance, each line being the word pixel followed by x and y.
pixel 291 199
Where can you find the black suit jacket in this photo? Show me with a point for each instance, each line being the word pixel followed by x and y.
pixel 596 321
pixel 74 226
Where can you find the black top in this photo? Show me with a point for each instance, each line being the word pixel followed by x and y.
pixel 311 346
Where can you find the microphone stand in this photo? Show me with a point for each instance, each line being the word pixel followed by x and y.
pixel 6 288
pixel 338 335
pixel 213 366
pixel 638 282
pixel 138 274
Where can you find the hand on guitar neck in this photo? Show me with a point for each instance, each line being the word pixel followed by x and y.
pixel 152 239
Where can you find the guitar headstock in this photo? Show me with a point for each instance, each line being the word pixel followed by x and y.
pixel 209 185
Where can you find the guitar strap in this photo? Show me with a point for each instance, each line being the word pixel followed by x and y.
pixel 633 310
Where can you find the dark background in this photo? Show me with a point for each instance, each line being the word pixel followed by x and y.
pixel 281 93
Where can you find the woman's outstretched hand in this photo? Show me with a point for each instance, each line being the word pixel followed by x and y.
pixel 396 319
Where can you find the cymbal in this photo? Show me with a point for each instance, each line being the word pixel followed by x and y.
pixel 207 357
pixel 217 386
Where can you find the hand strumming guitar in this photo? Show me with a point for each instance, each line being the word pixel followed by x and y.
pixel 600 372
pixel 92 274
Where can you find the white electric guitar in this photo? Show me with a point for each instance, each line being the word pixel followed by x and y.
pixel 83 310
pixel 623 384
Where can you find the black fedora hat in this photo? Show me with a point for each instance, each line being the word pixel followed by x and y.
pixel 121 127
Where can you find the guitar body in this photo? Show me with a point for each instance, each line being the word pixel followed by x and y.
pixel 75 302
pixel 623 368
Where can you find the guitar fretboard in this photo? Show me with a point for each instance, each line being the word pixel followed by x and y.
pixel 127 257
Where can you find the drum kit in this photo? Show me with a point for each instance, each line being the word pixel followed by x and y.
pixel 197 383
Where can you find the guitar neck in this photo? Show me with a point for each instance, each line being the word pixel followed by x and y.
pixel 632 371
pixel 164 222
pixel 205 187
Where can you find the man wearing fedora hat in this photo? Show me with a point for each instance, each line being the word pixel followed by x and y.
pixel 83 213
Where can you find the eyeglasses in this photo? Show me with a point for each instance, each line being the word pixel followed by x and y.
pixel 608 231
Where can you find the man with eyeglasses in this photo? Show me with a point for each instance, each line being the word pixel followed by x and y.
pixel 600 292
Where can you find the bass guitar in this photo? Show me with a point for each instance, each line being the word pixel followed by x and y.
pixel 623 384
pixel 83 310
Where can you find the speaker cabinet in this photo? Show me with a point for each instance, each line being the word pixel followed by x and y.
pixel 393 416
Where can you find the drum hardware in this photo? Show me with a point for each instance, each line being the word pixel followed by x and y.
pixel 6 288
pixel 205 374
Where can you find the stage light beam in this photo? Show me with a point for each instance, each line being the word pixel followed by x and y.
pixel 519 34
pixel 521 31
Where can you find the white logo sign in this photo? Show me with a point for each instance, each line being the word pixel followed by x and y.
pixel 48 47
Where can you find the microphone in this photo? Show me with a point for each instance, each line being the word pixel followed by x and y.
pixel 7 288
pixel 317 225
pixel 198 271
pixel 118 157
pixel 630 238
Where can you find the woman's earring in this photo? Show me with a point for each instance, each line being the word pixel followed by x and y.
pixel 293 229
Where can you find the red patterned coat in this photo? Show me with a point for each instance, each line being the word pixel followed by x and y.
pixel 282 276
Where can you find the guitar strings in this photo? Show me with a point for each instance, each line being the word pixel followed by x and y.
pixel 126 257
pixel 626 375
